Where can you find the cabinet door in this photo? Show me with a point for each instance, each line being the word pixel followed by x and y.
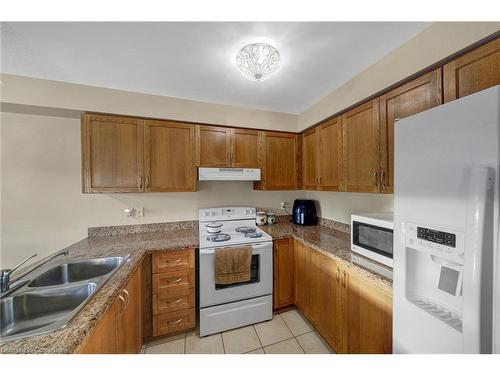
pixel 361 147
pixel 280 159
pixel 169 154
pixel 213 146
pixel 129 327
pixel 472 72
pixel 284 275
pixel 368 316
pixel 413 97
pixel 245 148
pixel 300 275
pixel 103 339
pixel 313 286
pixel 112 154
pixel 331 305
pixel 330 155
pixel 310 156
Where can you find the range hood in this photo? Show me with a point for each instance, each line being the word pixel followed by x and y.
pixel 228 174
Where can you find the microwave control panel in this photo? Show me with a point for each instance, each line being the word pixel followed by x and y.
pixel 440 242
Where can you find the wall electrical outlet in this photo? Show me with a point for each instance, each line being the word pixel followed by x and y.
pixel 283 205
pixel 139 211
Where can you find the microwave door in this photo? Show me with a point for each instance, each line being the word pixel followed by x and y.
pixel 373 241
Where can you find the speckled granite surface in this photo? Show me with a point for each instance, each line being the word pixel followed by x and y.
pixel 118 230
pixel 68 339
pixel 331 242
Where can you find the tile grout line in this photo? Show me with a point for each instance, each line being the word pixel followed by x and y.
pixel 258 338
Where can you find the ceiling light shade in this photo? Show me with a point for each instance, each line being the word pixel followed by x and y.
pixel 257 61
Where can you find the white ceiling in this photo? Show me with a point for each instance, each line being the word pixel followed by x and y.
pixel 195 60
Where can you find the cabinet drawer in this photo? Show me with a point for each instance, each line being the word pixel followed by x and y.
pixel 173 322
pixel 173 281
pixel 173 301
pixel 173 261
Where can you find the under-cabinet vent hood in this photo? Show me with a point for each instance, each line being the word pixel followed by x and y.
pixel 228 174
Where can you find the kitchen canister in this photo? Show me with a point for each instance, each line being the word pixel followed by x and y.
pixel 261 218
pixel 271 218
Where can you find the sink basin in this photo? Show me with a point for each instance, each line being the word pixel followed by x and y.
pixel 40 311
pixel 77 271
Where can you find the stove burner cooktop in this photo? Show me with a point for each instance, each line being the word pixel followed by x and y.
pixel 245 230
pixel 220 237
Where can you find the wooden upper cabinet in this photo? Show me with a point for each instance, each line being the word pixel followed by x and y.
pixel 368 314
pixel 330 155
pixel 112 149
pixel 472 72
pixel 169 156
pixel 245 148
pixel 411 98
pixel 284 273
pixel 279 161
pixel 361 147
pixel 129 316
pixel 310 159
pixel 227 147
pixel 213 146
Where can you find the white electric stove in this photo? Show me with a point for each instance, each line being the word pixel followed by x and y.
pixel 225 307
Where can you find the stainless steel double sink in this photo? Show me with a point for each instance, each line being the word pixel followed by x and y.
pixel 52 295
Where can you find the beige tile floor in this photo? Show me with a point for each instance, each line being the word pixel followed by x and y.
pixel 288 332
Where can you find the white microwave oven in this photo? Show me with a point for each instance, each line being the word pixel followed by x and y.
pixel 372 236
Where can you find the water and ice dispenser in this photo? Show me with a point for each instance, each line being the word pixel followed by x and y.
pixel 435 265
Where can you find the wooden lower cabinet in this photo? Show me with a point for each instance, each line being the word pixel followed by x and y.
pixel 103 338
pixel 129 317
pixel 120 328
pixel 300 252
pixel 352 313
pixel 368 316
pixel 284 273
pixel 173 292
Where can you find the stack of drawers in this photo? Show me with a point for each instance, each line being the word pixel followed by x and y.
pixel 173 291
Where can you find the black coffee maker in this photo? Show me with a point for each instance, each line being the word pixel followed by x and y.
pixel 304 212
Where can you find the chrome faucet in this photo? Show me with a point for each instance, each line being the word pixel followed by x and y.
pixel 5 282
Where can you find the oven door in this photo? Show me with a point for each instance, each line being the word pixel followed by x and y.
pixel 372 241
pixel 261 282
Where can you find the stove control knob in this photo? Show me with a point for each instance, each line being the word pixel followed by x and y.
pixel 246 212
pixel 205 213
pixel 212 213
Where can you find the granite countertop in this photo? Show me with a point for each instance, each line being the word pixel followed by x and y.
pixel 329 241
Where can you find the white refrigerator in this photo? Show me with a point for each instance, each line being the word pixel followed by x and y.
pixel 446 228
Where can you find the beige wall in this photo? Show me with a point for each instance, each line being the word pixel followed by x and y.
pixel 435 43
pixel 339 206
pixel 43 209
pixel 41 93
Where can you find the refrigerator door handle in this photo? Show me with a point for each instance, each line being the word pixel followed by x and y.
pixel 474 240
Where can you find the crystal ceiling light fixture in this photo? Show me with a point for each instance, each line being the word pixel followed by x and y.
pixel 258 61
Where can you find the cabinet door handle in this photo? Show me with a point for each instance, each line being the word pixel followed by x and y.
pixel 140 179
pixel 319 180
pixel 128 297
pixel 147 182
pixel 382 179
pixel 344 279
pixel 176 322
pixel 375 179
pixel 123 302
pixel 337 274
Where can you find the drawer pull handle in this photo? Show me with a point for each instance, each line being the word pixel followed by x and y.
pixel 175 302
pixel 176 322
pixel 175 281
pixel 174 261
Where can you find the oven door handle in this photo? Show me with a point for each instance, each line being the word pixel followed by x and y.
pixel 212 251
